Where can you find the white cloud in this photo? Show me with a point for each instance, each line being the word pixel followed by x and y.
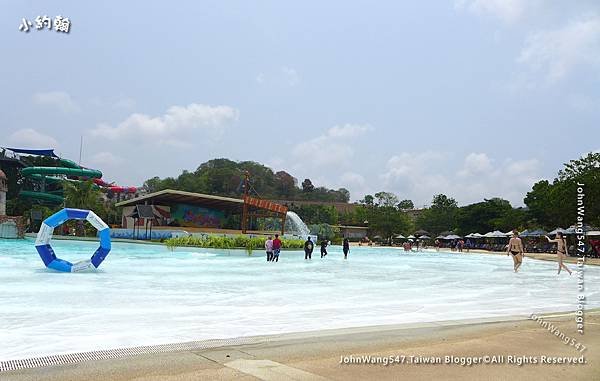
pixel 409 164
pixel 106 159
pixel 476 163
pixel 332 148
pixel 556 53
pixel 509 11
pixel 260 78
pixel 323 151
pixel 291 75
pixel 58 99
pixel 349 130
pixel 352 179
pixel 30 138
pixel 418 177
pixel 173 127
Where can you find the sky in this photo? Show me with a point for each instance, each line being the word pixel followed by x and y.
pixel 471 98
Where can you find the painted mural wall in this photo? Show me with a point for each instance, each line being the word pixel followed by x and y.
pixel 178 215
pixel 196 216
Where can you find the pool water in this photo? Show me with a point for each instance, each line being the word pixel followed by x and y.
pixel 146 294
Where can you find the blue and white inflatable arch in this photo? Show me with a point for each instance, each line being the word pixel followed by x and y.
pixel 46 252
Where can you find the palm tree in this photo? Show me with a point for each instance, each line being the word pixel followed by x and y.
pixel 82 195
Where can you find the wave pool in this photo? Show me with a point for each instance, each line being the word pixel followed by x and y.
pixel 145 294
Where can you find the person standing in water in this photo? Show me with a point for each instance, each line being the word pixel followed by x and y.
pixel 269 249
pixel 561 250
pixel 323 248
pixel 346 247
pixel 515 247
pixel 308 248
pixel 276 248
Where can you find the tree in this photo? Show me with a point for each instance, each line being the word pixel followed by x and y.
pixel 555 204
pixel 387 221
pixel 307 186
pixel 441 201
pixel 324 231
pixel 317 214
pixel 83 195
pixel 368 200
pixel 406 204
pixel 386 199
pixel 285 183
pixel 154 184
pixel 441 216
pixel 485 216
pixel 344 195
pixel 223 177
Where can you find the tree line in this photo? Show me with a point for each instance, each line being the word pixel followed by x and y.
pixel 224 177
pixel 548 205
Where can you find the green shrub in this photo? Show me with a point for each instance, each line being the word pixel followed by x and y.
pixel 223 242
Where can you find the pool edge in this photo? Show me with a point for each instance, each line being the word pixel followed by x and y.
pixel 119 353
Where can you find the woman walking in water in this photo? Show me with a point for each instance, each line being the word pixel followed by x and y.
pixel 515 248
pixel 346 247
pixel 561 250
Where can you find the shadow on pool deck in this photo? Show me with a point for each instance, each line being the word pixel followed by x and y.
pixel 316 355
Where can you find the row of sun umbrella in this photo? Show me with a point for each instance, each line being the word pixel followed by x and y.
pixel 526 233
pixel 498 234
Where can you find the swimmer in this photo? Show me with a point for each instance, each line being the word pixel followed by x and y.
pixel 346 247
pixel 276 248
pixel 269 249
pixel 515 247
pixel 323 248
pixel 308 248
pixel 561 251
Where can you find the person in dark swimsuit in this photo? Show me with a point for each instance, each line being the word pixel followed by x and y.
pixel 346 247
pixel 323 248
pixel 308 248
pixel 515 247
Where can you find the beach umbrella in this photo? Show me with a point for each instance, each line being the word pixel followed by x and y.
pixel 573 229
pixel 400 236
pixel 533 233
pixel 557 230
pixel 424 236
pixel 453 236
pixel 495 234
pixel 411 237
pixel 377 237
pixel 440 237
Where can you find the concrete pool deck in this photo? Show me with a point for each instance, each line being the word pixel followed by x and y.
pixel 316 355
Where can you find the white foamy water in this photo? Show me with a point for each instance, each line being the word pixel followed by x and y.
pixel 295 225
pixel 145 294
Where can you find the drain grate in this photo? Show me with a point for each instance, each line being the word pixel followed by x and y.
pixel 73 358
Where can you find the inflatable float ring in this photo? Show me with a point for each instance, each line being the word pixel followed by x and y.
pixel 44 236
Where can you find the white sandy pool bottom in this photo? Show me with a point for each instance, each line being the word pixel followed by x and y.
pixel 147 295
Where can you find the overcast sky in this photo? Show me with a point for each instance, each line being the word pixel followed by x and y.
pixel 471 98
